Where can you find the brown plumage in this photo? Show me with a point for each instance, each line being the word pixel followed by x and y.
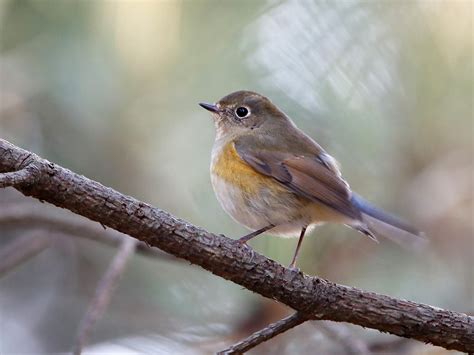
pixel 306 176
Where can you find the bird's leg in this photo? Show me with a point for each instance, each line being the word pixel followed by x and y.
pixel 300 240
pixel 249 236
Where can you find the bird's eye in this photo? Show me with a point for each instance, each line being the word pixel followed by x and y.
pixel 242 112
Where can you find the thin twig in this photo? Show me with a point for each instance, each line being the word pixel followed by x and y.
pixel 15 178
pixel 103 293
pixel 22 249
pixel 265 334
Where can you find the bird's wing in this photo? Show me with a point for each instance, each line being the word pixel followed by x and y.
pixel 315 177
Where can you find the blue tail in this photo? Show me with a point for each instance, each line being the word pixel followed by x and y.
pixel 384 224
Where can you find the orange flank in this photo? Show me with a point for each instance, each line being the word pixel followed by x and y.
pixel 231 168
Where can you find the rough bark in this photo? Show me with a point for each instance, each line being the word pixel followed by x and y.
pixel 314 297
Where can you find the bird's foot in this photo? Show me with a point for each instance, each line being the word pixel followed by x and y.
pixel 293 267
pixel 243 243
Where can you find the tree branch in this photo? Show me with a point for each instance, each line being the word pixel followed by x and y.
pixel 14 178
pixel 103 293
pixel 265 334
pixel 313 297
pixel 21 249
pixel 27 216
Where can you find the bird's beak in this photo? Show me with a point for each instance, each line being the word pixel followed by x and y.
pixel 209 107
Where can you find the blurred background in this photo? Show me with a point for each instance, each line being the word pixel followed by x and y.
pixel 109 89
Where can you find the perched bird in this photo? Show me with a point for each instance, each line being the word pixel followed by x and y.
pixel 270 176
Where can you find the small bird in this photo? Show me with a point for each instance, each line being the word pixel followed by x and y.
pixel 270 176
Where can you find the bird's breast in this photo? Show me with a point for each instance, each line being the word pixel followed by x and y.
pixel 228 166
pixel 251 198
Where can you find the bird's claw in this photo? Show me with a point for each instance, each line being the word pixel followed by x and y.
pixel 242 243
pixel 294 268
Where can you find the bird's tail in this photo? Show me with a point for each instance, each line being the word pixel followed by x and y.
pixel 386 225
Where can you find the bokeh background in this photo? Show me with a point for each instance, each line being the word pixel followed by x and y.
pixel 110 89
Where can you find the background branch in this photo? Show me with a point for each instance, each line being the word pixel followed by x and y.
pixel 339 333
pixel 22 249
pixel 30 216
pixel 104 292
pixel 313 297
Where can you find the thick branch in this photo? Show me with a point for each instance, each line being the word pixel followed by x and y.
pixel 312 296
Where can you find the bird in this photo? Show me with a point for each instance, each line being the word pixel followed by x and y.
pixel 269 176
